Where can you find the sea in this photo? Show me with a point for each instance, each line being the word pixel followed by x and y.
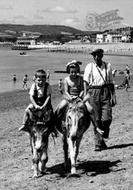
pixel 11 62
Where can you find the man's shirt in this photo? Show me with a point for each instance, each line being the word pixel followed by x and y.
pixel 92 74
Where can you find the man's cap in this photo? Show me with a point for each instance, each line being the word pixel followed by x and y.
pixel 73 63
pixel 97 51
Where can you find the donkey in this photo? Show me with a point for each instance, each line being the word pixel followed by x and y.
pixel 76 122
pixel 39 130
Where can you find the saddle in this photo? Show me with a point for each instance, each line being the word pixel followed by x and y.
pixel 78 104
pixel 43 115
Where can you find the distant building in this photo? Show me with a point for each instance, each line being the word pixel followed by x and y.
pixel 26 43
pixel 99 38
pixel 112 37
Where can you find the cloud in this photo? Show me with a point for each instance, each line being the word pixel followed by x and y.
pixel 20 17
pixel 6 7
pixel 5 21
pixel 70 22
pixel 59 9
pixel 38 17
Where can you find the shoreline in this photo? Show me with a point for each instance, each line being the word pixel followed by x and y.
pixel 114 49
pixel 110 49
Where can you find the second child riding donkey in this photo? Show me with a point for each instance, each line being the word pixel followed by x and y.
pixel 73 89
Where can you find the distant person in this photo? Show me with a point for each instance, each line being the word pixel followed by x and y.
pixel 114 72
pixel 48 75
pixel 127 69
pixel 60 86
pixel 127 79
pixel 25 80
pixel 14 78
pixel 125 82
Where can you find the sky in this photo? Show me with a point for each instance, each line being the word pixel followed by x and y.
pixel 61 12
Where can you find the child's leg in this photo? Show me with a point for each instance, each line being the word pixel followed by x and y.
pixel 89 107
pixel 25 121
pixel 61 107
pixel 27 117
pixel 93 118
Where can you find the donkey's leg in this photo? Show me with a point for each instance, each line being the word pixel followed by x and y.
pixel 77 148
pixel 72 149
pixel 43 160
pixel 35 163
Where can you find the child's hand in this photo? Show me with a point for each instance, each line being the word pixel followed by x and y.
pixel 42 107
pixel 72 98
pixel 38 107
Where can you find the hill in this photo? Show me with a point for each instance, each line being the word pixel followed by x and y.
pixel 43 29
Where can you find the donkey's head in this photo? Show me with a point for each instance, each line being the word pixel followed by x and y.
pixel 75 120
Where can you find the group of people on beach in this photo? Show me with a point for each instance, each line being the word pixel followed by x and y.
pixel 95 88
pixel 25 80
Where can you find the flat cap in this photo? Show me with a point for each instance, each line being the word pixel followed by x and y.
pixel 97 51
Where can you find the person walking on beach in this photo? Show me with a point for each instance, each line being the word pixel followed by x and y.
pixel 127 79
pixel 25 80
pixel 127 69
pixel 98 81
pixel 14 79
pixel 48 75
pixel 73 88
pixel 40 97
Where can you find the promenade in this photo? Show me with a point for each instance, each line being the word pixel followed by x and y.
pixel 124 49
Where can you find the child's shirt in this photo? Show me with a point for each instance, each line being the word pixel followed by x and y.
pixel 40 93
pixel 74 86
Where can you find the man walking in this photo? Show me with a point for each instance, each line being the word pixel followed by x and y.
pixel 97 81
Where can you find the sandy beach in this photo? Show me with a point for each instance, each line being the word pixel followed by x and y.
pixel 111 169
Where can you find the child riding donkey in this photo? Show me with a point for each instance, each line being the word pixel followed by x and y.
pixel 73 89
pixel 40 97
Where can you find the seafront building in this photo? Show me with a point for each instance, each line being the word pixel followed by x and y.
pixel 114 36
pixel 25 40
